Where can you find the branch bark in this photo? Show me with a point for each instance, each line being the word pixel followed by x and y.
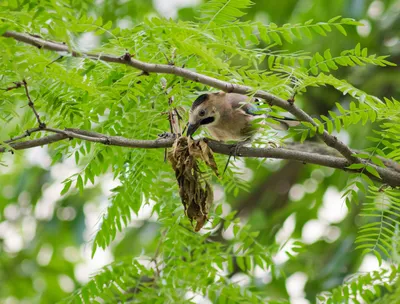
pixel 147 68
pixel 299 152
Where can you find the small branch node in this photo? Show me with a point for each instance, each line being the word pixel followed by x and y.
pixel 292 98
pixel 107 140
pixel 126 57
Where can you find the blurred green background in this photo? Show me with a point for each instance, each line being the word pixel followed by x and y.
pixel 44 240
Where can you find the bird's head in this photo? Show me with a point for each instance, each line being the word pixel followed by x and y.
pixel 204 112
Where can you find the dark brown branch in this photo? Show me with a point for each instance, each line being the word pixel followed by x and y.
pixel 32 106
pixel 296 152
pixel 17 85
pixel 126 59
pixel 34 143
pixel 26 134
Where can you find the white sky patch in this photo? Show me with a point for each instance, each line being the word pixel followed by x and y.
pixel 241 279
pixel 310 185
pixel 365 29
pixel 295 287
pixel 66 213
pixel 376 10
pixel 281 257
pixel 264 275
pixel 28 228
pixel 318 175
pixel 61 171
pixel 88 41
pixel 227 233
pixel 84 270
pixel 332 234
pixel 343 136
pixel 392 42
pixel 44 209
pixel 219 193
pixel 7 161
pixel 196 298
pixel 287 229
pixel 169 9
pixel 297 192
pixel 71 254
pixel 38 156
pixel 145 212
pixel 44 255
pixel 12 212
pixel 370 263
pixel 13 241
pixel 108 183
pixel 125 23
pixel 333 209
pixel 313 230
pixel 66 283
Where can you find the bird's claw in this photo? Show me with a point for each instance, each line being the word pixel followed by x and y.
pixel 235 149
pixel 166 135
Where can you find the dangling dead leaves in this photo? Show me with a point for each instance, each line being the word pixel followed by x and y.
pixel 196 193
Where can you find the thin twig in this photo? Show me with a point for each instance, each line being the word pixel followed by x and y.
pixel 42 125
pixel 157 252
pixel 17 85
pixel 26 134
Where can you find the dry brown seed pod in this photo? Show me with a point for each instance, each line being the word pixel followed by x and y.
pixel 196 193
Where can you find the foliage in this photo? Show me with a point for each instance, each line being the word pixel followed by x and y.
pixel 167 262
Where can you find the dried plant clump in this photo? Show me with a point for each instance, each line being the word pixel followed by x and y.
pixel 196 193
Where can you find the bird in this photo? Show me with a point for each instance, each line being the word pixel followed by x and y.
pixel 230 117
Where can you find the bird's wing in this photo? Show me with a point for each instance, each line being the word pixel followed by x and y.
pixel 241 102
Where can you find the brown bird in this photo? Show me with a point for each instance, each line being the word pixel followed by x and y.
pixel 230 116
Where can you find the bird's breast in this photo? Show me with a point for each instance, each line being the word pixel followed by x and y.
pixel 237 129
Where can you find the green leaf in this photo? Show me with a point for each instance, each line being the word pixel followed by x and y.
pixel 377 161
pixel 318 29
pixel 240 263
pixel 276 38
pixel 341 29
pixel 79 183
pixel 373 171
pixel 67 185
pixel 356 166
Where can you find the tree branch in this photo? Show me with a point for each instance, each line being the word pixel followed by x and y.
pixel 330 140
pixel 297 152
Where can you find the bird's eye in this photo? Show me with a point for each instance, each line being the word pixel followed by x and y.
pixel 202 113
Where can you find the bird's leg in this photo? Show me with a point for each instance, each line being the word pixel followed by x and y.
pixel 238 146
pixel 167 135
pixel 235 151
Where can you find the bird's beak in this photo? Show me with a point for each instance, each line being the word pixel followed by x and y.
pixel 191 129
